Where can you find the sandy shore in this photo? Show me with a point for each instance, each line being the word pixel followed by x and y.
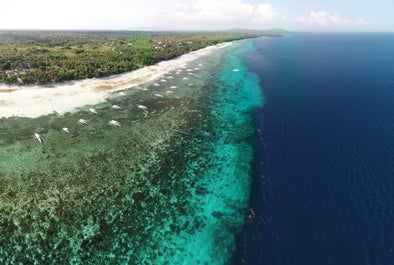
pixel 34 101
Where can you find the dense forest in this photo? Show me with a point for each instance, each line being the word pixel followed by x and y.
pixel 41 57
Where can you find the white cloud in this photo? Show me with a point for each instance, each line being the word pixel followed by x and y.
pixel 266 13
pixel 137 14
pixel 227 12
pixel 361 22
pixel 323 18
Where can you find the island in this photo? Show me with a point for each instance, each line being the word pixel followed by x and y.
pixel 43 57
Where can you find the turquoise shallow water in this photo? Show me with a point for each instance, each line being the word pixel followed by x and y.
pixel 170 186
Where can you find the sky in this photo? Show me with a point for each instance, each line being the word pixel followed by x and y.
pixel 304 15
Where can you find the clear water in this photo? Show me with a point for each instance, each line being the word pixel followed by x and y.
pixel 170 186
pixel 324 182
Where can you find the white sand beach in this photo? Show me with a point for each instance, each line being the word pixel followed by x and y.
pixel 34 101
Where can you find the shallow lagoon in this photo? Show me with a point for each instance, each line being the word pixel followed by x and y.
pixel 170 186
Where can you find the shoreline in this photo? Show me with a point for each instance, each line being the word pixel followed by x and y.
pixel 36 100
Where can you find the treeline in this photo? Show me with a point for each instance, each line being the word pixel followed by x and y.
pixel 34 57
pixel 170 45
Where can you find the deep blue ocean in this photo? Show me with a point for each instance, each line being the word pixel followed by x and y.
pixel 323 188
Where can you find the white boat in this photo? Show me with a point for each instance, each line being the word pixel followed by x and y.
pixel 159 95
pixel 66 130
pixel 38 138
pixel 115 107
pixel 114 123
pixel 92 110
pixel 142 107
pixel 82 121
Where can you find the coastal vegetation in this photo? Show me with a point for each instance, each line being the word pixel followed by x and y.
pixel 42 57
